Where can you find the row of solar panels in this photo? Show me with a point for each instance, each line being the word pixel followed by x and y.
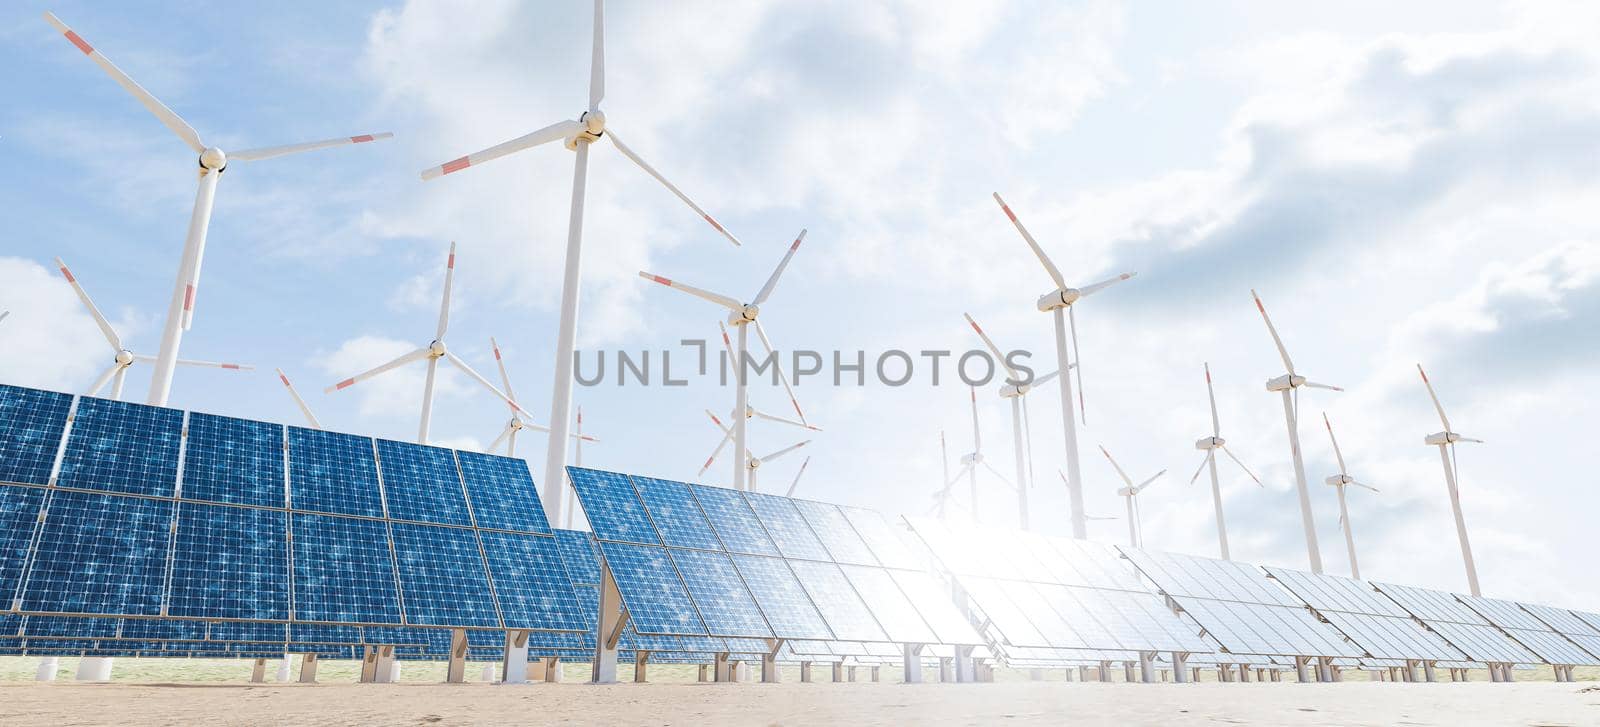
pixel 1044 599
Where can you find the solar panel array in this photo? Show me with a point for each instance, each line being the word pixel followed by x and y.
pixel 1055 599
pixel 116 509
pixel 1239 607
pixel 1469 632
pixel 1539 633
pixel 692 560
pixel 1374 622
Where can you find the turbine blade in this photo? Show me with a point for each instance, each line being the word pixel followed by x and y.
pixel 99 320
pixel 504 433
pixel 761 333
pixel 717 298
pixel 977 432
pixel 782 420
pixel 559 131
pixel 1202 467
pixel 1211 395
pixel 1089 290
pixel 444 302
pixel 1364 486
pixel 416 355
pixel 784 451
pixel 1049 267
pixel 501 364
pixel 1146 483
pixel 252 155
pixel 772 282
pixel 1315 385
pixel 299 402
pixel 1077 362
pixel 165 115
pixel 100 383
pixel 797 475
pixel 1125 478
pixel 1336 453
pixel 1242 466
pixel 998 357
pixel 597 64
pixel 481 381
pixel 999 476
pixel 1435 397
pixel 669 185
pixel 204 364
pixel 1284 352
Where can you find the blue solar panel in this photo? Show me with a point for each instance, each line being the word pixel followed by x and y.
pixel 333 473
pixel 613 508
pixel 835 532
pixel 588 609
pixel 579 556
pixel 31 422
pixel 787 528
pixel 163 629
pixel 316 634
pixel 659 603
pixel 82 565
pixel 19 509
pixel 734 521
pixel 676 514
pixel 230 562
pixel 725 604
pixel 421 484
pixel 72 628
pixel 122 447
pixel 442 576
pixel 502 492
pixel 10 624
pixel 532 585
pixel 841 607
pixel 233 460
pixel 247 631
pixel 781 598
pixel 343 571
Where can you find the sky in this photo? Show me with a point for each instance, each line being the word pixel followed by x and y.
pixel 1401 184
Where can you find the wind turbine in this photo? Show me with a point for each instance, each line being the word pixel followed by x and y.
pixel 213 162
pixel 971 461
pixel 1289 385
pixel 1131 494
pixel 4 314
pixel 752 462
pixel 1447 440
pixel 1340 482
pixel 123 358
pixel 1017 390
pixel 577 135
pixel 941 498
pixel 517 422
pixel 727 432
pixel 796 483
pixel 431 353
pixel 739 315
pixel 1059 303
pixel 1211 444
pixel 306 410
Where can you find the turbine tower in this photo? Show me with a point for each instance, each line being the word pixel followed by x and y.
pixel 1059 303
pixel 1289 385
pixel 577 135
pixel 1210 445
pixel 1130 493
pixel 1446 440
pixel 1340 482
pixel 213 162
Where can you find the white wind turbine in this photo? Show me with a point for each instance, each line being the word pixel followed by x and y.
pixel 577 447
pixel 1211 444
pixel 1289 385
pixel 213 162
pixel 973 460
pixel 727 432
pixel 1446 440
pixel 1059 303
pixel 577 135
pixel 752 462
pixel 124 358
pixel 431 353
pixel 739 315
pixel 299 402
pixel 1130 493
pixel 1017 390
pixel 1340 482
pixel 518 420
pixel 941 497
pixel 796 484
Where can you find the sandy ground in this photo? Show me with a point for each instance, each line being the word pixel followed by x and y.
pixel 1017 702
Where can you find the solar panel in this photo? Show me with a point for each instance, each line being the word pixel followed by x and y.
pixel 82 566
pixel 612 506
pixel 843 544
pixel 654 594
pixel 1370 619
pixel 31 423
pixel 532 586
pixel 163 629
pixel 121 447
pixel 1562 620
pixel 578 554
pixel 724 602
pixel 230 562
pixel 783 522
pixel 1532 633
pixel 320 634
pixel 343 571
pixel 841 607
pixel 886 542
pixel 781 598
pixel 1430 605
pixel 19 509
pixel 260 633
pixel 421 484
pixel 442 576
pixel 333 473
pixel 900 620
pixel 502 493
pixel 932 600
pixel 70 627
pixel 676 515
pixel 233 460
pixel 736 524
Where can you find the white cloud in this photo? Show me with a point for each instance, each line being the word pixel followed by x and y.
pixel 49 340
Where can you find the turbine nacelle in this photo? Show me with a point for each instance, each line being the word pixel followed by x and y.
pixel 594 127
pixel 745 314
pixel 972 458
pixel 1059 298
pixel 1339 480
pixel 1210 443
pixel 1286 382
pixel 1439 439
pixel 1127 492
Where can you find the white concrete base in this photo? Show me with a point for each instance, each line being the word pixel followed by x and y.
pixel 486 674
pixel 94 669
pixel 48 666
pixel 283 669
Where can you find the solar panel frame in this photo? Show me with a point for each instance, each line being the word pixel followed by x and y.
pixel 19 515
pixel 444 580
pixel 788 530
pixel 719 592
pixel 642 569
pixel 233 461
pixel 116 446
pixel 733 520
pixel 421 484
pixel 341 584
pixel 676 514
pixel 888 545
pixel 229 562
pixel 530 581
pixel 613 507
pixel 32 423
pixel 781 597
pixel 900 619
pixel 837 535
pixel 932 601
pixel 836 599
pixel 501 493
pixel 78 566
pixel 333 473
pixel 580 556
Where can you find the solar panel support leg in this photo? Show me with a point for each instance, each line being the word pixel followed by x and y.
pixel 705 673
pixel 48 666
pixel 1244 672
pixel 1506 675
pixel 1147 667
pixel 1428 673
pixel 852 672
pixel 1325 669
pixel 552 670
pixel 456 670
pixel 258 671
pixel 1180 671
pixel 369 664
pixel 838 671
pixel 641 666
pixel 1105 671
pixel 1127 672
pixel 805 672
pixel 769 669
pixel 608 630
pixel 741 671
pixel 876 676
pixel 308 668
pixel 722 669
pixel 911 664
pixel 963 664
pixel 1036 675
pixel 1224 673
pixel 386 669
pixel 946 669
pixel 1302 673
pixel 514 665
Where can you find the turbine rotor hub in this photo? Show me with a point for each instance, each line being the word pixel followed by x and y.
pixel 213 159
pixel 436 349
pixel 124 357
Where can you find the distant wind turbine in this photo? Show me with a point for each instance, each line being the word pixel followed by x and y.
pixel 1340 482
pixel 1446 440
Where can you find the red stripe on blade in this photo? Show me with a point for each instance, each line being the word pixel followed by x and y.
pixel 456 165
pixel 347 383
pixel 284 379
pixel 714 224
pixel 361 138
pixel 82 44
pixel 451 263
pixel 1009 213
pixel 230 366
pixel 188 298
pixel 68 274
pixel 661 280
